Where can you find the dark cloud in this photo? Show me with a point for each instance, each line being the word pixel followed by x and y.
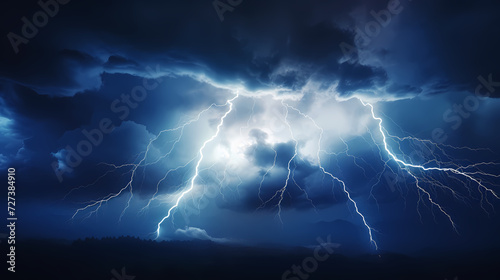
pixel 439 45
pixel 116 61
pixel 357 77
pixel 261 44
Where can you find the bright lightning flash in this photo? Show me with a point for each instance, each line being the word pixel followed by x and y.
pixel 408 167
pixel 197 168
pixel 421 174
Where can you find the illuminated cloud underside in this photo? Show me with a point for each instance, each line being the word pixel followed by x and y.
pixel 315 131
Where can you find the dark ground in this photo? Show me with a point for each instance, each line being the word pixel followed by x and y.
pixel 97 259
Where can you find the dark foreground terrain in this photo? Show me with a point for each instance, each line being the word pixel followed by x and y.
pixel 129 258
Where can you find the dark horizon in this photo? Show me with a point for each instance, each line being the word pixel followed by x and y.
pixel 130 257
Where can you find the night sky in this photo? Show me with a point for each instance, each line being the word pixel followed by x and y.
pixel 239 111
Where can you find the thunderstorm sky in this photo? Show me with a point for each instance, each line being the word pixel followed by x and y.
pixel 252 125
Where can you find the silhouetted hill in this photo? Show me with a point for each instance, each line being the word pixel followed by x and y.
pixel 353 242
pixel 94 259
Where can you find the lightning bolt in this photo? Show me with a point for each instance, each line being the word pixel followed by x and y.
pixel 195 176
pixel 334 178
pixel 280 193
pixel 265 174
pixel 408 166
pixel 142 163
pixel 163 179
